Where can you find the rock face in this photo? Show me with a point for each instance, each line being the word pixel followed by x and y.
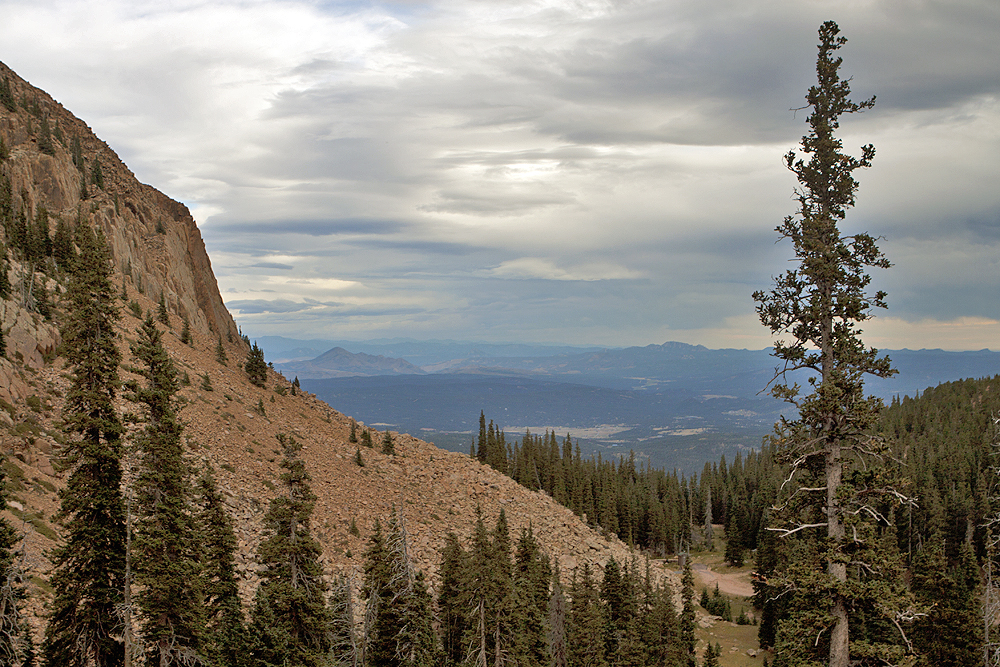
pixel 230 423
pixel 155 242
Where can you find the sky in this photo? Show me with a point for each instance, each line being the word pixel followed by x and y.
pixel 586 172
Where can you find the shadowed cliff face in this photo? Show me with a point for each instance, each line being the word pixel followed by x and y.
pixel 154 240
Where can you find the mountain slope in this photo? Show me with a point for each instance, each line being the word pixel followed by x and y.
pixel 229 423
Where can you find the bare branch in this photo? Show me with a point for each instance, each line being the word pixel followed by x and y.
pixel 785 532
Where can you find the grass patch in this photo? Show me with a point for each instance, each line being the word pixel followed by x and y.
pixel 15 476
pixel 45 484
pixel 36 520
pixel 42 585
pixel 730 636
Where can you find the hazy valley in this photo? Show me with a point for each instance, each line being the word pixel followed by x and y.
pixel 675 405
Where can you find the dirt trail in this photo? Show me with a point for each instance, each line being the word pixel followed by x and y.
pixel 737 583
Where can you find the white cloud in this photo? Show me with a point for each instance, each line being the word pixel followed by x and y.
pixel 526 268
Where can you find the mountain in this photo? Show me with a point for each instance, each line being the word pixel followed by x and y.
pixel 423 353
pixel 338 362
pixel 652 368
pixel 229 423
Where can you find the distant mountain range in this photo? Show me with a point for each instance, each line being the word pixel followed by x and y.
pixel 338 362
pixel 676 404
pixel 672 365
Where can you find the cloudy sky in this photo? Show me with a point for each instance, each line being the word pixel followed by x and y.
pixel 575 171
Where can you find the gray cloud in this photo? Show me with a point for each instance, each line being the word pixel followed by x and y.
pixel 340 226
pixel 596 172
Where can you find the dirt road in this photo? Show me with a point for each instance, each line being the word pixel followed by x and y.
pixel 737 583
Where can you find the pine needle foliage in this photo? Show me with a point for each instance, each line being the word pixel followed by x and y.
pixel 161 310
pixel 290 616
pixel 687 620
pixel 398 614
pixel 839 485
pixel 584 626
pixel 90 566
pixel 388 446
pixel 167 567
pixel 226 641
pixel 255 366
pixel 220 354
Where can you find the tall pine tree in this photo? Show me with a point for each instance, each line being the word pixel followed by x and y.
pixel 290 616
pixel 167 568
pixel 90 566
pixel 837 484
pixel 226 642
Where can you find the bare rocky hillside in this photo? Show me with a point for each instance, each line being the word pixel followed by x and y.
pixel 158 249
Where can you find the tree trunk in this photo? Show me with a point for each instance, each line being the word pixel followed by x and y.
pixel 839 636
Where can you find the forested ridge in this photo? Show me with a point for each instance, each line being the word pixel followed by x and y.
pixel 944 444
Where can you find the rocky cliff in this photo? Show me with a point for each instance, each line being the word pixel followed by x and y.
pixel 229 422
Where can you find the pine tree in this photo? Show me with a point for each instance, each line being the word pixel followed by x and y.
pixel 688 623
pixel 97 175
pixel 378 648
pixel 221 358
pixel 4 280
pixel 388 446
pixel 663 638
pixel 451 599
pixel 76 151
pixel 613 593
pixel 7 95
pixel 15 635
pixel 837 482
pixel 167 568
pixel 583 632
pixel 186 331
pixel 712 653
pixel 255 366
pixel 398 604
pixel 709 531
pixel 161 312
pixel 951 634
pixel 45 144
pixel 415 640
pixel 345 640
pixel 90 566
pixel 532 576
pixel 226 641
pixel 290 616
pixel 62 246
pixel 557 624
pixel 353 438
